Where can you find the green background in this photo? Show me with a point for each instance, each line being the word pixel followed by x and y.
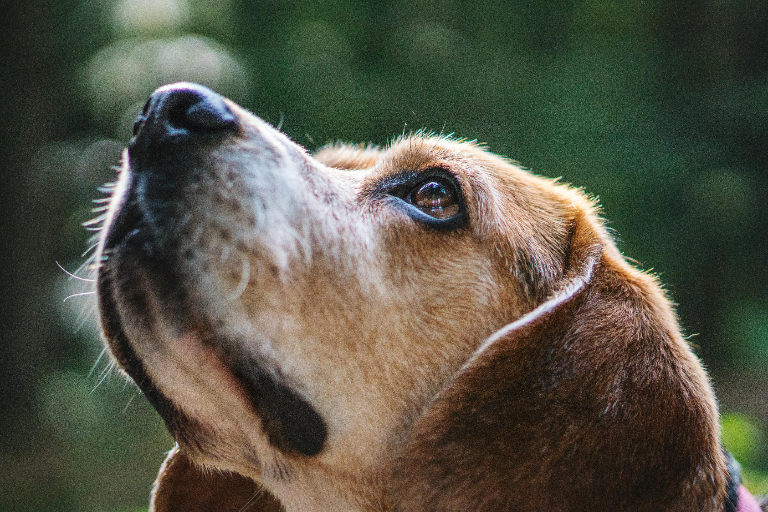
pixel 659 108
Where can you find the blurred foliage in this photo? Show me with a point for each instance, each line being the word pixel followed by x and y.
pixel 746 441
pixel 659 108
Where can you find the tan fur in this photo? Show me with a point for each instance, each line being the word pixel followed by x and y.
pixel 404 340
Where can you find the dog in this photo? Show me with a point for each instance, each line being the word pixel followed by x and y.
pixel 422 327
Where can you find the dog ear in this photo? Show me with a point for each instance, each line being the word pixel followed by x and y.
pixel 183 486
pixel 591 401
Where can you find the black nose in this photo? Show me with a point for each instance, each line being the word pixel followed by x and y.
pixel 181 110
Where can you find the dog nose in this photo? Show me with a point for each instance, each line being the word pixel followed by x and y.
pixel 183 110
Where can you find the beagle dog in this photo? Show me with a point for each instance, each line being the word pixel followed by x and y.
pixel 426 327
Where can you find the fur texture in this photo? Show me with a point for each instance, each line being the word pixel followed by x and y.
pixel 306 323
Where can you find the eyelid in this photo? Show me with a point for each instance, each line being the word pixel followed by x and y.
pixel 397 187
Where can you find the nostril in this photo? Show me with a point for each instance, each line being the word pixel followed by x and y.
pixel 145 109
pixel 176 111
pixel 197 109
pixel 211 114
pixel 181 110
pixel 141 117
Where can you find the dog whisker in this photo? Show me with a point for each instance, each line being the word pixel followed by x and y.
pixel 103 375
pixel 245 277
pixel 81 294
pixel 98 360
pixel 73 276
pixel 250 501
pixel 130 401
pixel 90 248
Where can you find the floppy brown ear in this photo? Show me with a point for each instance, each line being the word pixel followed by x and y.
pixel 184 486
pixel 592 401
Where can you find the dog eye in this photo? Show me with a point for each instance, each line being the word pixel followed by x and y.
pixel 433 197
pixel 437 197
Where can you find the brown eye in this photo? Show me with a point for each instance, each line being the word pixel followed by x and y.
pixel 436 197
pixel 433 198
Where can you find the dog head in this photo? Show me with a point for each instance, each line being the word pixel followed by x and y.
pixel 421 327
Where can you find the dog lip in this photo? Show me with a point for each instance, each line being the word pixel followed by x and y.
pixel 291 423
pixel 186 430
pixel 112 325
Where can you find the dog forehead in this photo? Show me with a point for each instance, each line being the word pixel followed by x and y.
pixel 411 153
pixel 418 152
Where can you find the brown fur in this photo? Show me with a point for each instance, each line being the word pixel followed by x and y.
pixel 182 487
pixel 516 363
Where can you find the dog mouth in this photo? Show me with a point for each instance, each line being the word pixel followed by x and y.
pixel 127 238
pixel 136 276
pixel 146 292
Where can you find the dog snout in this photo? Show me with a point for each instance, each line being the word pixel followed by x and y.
pixel 183 111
